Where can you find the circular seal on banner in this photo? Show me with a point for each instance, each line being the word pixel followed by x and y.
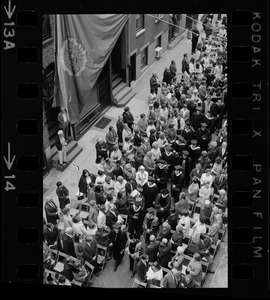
pixel 72 57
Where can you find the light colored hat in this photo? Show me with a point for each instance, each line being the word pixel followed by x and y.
pixel 60 132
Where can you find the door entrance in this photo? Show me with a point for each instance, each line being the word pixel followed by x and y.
pixel 103 84
pixel 133 67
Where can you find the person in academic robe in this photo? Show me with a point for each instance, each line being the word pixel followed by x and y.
pixel 163 204
pixel 194 152
pixel 118 244
pixel 203 137
pixel 161 174
pixel 177 182
pixel 135 216
pixel 186 164
pixel 170 157
pixel 188 132
pixel 150 224
pixel 149 193
pixel 196 118
pixel 172 219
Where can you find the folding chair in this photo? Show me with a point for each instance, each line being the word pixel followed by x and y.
pixel 191 206
pixel 89 267
pixel 54 254
pixel 102 255
pixel 221 234
pixel 125 217
pixel 59 266
pixel 197 210
pixel 75 283
pixel 214 249
pixel 84 206
pixel 165 271
pixel 204 271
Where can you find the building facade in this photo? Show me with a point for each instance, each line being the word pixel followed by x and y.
pixel 133 53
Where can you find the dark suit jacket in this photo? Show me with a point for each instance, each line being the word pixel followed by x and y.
pixel 110 219
pixel 141 270
pixel 164 255
pixel 89 251
pixel 151 251
pixel 68 245
pixel 219 153
pixel 128 118
pixel 50 213
pixel 220 184
pixel 173 220
pixel 51 236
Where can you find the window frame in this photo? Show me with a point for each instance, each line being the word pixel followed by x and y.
pixel 142 25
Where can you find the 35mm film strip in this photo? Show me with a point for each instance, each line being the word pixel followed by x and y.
pixel 248 128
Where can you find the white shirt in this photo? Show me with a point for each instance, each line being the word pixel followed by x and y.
pixel 156 154
pixel 101 219
pixel 119 187
pixel 185 222
pixel 197 229
pixel 150 274
pixel 141 178
pixel 149 127
pixel 205 178
pixel 100 180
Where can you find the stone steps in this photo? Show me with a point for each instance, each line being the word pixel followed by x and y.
pixel 73 150
pixel 124 96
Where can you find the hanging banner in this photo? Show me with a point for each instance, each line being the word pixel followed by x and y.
pixel 83 43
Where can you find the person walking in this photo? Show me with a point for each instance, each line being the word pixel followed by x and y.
pixel 118 244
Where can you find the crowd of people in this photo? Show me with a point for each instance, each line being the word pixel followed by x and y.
pixel 150 171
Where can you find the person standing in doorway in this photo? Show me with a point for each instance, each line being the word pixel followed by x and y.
pixel 61 145
pixel 63 122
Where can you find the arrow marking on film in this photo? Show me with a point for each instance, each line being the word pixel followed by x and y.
pixel 9 12
pixel 8 162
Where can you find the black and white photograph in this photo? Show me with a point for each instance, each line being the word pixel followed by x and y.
pixel 135 172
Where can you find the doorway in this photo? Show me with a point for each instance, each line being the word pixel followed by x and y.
pixel 116 59
pixel 133 67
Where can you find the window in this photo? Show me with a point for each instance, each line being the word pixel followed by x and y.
pixel 144 57
pixel 159 16
pixel 46 27
pixel 158 41
pixel 139 22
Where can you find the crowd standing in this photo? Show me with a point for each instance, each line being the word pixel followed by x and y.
pixel 148 173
